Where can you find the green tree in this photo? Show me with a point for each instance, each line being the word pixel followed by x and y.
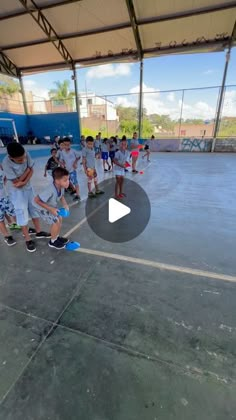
pixel 62 92
pixel 163 121
pixel 8 86
pixel 127 113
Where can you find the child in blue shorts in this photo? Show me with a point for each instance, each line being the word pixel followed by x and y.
pixel 18 170
pixel 112 149
pixel 121 157
pixel 105 154
pixel 46 204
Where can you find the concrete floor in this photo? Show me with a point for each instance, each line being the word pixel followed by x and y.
pixel 104 334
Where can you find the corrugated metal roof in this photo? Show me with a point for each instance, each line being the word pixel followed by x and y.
pixel 38 35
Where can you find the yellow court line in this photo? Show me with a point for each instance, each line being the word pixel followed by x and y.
pixel 159 265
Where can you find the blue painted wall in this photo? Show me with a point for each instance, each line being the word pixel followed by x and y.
pixel 62 124
pixel 45 124
pixel 21 122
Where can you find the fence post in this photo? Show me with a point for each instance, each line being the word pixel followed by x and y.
pixel 23 94
pixel 221 98
pixel 74 77
pixel 181 113
pixel 140 113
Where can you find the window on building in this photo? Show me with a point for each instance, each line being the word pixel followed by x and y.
pixel 89 101
pixel 80 102
pixel 57 102
pixel 183 132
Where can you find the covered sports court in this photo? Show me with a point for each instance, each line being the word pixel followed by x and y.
pixel 144 329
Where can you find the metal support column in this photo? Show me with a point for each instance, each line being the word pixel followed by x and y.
pixel 140 113
pixel 220 101
pixel 181 113
pixel 222 91
pixel 23 95
pixel 77 104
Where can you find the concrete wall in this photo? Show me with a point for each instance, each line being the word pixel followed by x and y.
pixel 21 122
pixel 226 145
pixel 45 124
pixel 55 124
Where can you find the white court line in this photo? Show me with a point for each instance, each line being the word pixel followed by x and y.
pixel 84 219
pixel 160 266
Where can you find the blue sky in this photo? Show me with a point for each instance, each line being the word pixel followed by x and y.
pixel 163 73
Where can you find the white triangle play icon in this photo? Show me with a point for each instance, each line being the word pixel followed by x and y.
pixel 117 210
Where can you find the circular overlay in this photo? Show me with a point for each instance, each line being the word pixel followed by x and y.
pixel 127 227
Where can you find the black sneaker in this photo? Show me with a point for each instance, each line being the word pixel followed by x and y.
pixel 63 240
pixel 57 244
pixel 32 231
pixel 76 198
pixel 41 235
pixel 30 246
pixel 9 240
pixel 99 192
pixel 91 195
pixel 105 170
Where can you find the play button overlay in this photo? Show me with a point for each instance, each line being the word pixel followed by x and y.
pixel 120 220
pixel 117 210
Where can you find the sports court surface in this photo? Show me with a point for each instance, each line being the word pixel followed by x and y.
pixel 144 330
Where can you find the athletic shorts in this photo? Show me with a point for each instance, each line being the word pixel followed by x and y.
pixel 112 155
pixel 92 175
pixel 23 202
pixel 48 217
pixel 146 147
pixel 74 178
pixel 104 155
pixel 119 172
pixel 97 150
pixel 6 207
pixel 135 153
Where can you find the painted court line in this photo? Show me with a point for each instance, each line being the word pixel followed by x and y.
pixel 160 266
pixel 77 226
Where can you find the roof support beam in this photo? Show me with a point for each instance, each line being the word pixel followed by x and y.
pixel 134 25
pixel 216 45
pixel 48 6
pixel 7 66
pixel 98 31
pixel 47 28
pixel 188 13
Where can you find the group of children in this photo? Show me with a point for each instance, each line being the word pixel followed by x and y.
pixel 20 202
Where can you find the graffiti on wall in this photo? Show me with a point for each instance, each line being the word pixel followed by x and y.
pixel 195 145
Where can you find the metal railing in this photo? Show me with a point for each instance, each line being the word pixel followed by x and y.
pixel 165 114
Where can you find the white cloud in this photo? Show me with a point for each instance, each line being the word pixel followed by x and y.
pixel 28 83
pixel 156 102
pixel 171 97
pixel 109 70
pixel 229 107
pixel 208 72
pixel 39 93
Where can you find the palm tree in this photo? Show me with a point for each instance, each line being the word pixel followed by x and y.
pixel 62 93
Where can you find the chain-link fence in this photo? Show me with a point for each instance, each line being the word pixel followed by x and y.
pixel 165 114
